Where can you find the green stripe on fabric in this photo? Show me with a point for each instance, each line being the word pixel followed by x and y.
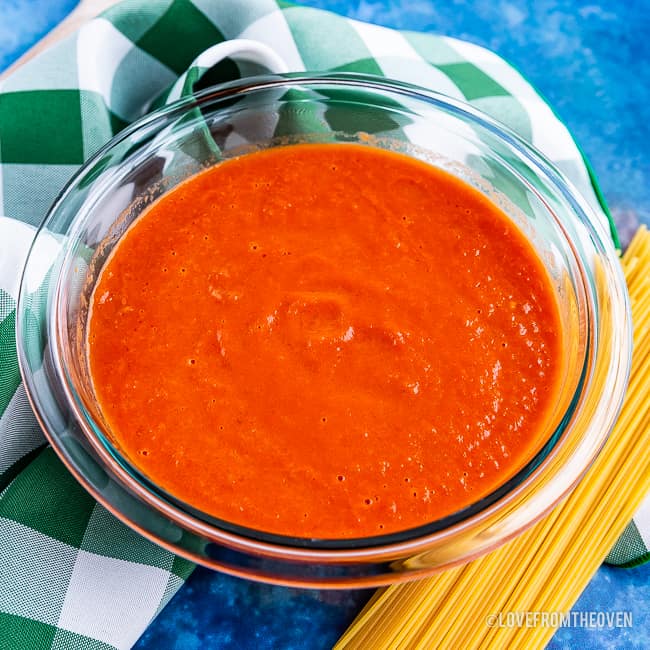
pixel 135 18
pixel 18 633
pixel 370 121
pixel 107 536
pixel 116 122
pixel 66 640
pixel 366 66
pixel 297 114
pixel 231 17
pixel 341 45
pixel 7 304
pixel 225 70
pixel 54 133
pixel 95 122
pixel 9 371
pixel 19 182
pixel 629 548
pixel 14 470
pixel 149 77
pixel 46 497
pixel 432 48
pixel 506 184
pixel 637 561
pixel 161 100
pixel 507 110
pixel 179 36
pixel 182 568
pixel 472 81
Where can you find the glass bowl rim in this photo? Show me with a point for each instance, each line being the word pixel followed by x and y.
pixel 381 543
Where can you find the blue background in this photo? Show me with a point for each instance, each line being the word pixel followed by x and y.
pixel 591 60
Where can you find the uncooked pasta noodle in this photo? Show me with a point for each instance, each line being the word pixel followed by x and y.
pixel 545 569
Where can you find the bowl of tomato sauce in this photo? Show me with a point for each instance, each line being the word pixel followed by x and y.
pixel 324 331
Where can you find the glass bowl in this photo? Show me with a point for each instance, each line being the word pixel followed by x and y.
pixel 165 147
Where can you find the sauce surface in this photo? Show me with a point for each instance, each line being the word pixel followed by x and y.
pixel 325 341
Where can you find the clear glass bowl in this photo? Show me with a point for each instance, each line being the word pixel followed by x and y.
pixel 167 146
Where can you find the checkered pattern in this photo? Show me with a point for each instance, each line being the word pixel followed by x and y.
pixel 71 576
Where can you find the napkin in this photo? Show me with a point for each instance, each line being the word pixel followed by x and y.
pixel 71 575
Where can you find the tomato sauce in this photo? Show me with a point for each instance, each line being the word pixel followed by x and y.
pixel 325 341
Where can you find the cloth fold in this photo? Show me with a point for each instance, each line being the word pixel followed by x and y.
pixel 71 575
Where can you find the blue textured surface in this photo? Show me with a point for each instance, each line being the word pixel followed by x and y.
pixel 23 22
pixel 591 60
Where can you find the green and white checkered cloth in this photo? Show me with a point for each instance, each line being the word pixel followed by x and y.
pixel 72 576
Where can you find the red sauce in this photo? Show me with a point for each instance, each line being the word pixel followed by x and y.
pixel 325 341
